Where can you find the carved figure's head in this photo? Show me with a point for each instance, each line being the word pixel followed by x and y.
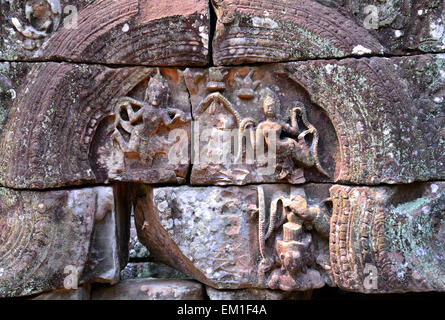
pixel 299 202
pixel 271 103
pixel 157 92
pixel 293 262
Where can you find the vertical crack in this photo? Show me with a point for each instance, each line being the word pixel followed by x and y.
pixel 190 165
pixel 212 28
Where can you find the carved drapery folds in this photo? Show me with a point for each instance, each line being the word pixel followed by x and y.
pixel 141 132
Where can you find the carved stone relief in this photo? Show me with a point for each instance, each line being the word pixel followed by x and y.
pixel 45 238
pixel 72 139
pixel 77 31
pixel 142 134
pixel 308 151
pixel 388 129
pixel 247 130
pixel 388 239
pixel 42 18
pixel 249 31
pixel 365 239
pixel 270 236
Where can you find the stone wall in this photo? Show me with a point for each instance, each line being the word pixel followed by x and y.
pixel 225 149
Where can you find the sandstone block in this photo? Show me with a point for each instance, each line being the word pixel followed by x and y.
pixel 254 31
pixel 226 237
pixel 354 121
pixel 45 238
pixel 148 32
pixel 388 239
pixel 90 124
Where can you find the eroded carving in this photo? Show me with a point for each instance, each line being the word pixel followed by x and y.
pixel 138 123
pixel 290 141
pixel 258 31
pixel 43 18
pixel 241 130
pixel 287 267
pixel 76 30
pixel 388 239
pixel 41 234
pixel 146 138
pixel 238 237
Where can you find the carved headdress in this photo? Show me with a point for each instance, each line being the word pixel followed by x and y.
pixel 157 87
pixel 270 96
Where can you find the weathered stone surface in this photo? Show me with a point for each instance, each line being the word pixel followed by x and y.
pixel 88 123
pixel 11 75
pixel 45 238
pixel 93 125
pixel 173 33
pixel 105 253
pixel 82 293
pixel 250 31
pixel 238 237
pixel 389 123
pixel 123 221
pixel 256 294
pixel 232 104
pixel 388 239
pixel 150 270
pixel 151 289
pixel 367 121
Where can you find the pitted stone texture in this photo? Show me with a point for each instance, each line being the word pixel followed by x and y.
pixel 376 120
pixel 45 238
pixel 282 30
pixel 83 124
pixel 151 289
pixel 11 76
pixel 173 33
pixel 212 234
pixel 388 239
pixel 256 294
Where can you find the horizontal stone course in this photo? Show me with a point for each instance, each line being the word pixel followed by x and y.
pixel 256 31
pixel 297 238
pixel 356 121
pixel 264 149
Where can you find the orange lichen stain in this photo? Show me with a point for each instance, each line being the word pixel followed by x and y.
pixel 229 78
pixel 238 73
pixel 170 73
pixel 154 9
